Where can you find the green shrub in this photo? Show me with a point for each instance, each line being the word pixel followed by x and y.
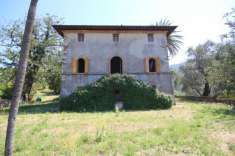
pixel 101 95
pixel 6 90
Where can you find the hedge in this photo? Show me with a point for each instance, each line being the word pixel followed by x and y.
pixel 102 95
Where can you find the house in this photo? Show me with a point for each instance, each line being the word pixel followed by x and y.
pixel 91 51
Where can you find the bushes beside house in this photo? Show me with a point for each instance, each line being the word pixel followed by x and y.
pixel 102 95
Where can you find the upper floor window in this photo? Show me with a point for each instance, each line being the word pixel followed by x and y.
pixel 152 65
pixel 115 37
pixel 80 37
pixel 150 38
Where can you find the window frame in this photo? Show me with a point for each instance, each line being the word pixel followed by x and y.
pixel 79 66
pixel 157 64
pixel 116 37
pixel 150 37
pixel 81 37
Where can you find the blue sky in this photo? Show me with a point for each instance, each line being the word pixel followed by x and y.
pixel 199 20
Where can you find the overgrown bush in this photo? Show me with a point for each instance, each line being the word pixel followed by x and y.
pixel 101 95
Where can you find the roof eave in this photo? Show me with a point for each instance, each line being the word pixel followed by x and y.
pixel 61 28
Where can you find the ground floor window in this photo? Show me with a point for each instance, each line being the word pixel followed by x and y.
pixel 81 65
pixel 152 65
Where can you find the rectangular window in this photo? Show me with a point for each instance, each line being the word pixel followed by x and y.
pixel 150 38
pixel 152 65
pixel 80 37
pixel 115 37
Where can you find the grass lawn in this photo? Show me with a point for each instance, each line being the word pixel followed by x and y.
pixel 186 129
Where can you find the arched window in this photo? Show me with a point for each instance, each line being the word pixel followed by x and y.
pixel 81 65
pixel 152 65
pixel 116 65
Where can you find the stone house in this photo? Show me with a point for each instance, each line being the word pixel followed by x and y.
pixel 91 51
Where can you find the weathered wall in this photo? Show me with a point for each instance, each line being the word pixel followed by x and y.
pixel 100 48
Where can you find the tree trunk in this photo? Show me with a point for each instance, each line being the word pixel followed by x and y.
pixel 20 76
pixel 29 81
pixel 207 89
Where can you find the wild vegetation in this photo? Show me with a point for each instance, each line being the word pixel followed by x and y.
pixel 102 95
pixel 44 67
pixel 186 129
pixel 210 69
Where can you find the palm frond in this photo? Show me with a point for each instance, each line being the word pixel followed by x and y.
pixel 174 40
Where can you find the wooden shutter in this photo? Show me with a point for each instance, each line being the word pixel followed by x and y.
pixel 158 64
pixel 86 65
pixel 74 65
pixel 146 64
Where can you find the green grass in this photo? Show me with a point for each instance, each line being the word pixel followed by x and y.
pixel 186 129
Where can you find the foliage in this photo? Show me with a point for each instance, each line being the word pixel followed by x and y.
pixel 53 73
pixel 6 90
pixel 6 85
pixel 210 71
pixel 222 71
pixel 45 44
pixel 101 95
pixel 174 40
pixel 230 21
pixel 195 71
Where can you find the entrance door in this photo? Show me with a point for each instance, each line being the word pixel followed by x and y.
pixel 116 65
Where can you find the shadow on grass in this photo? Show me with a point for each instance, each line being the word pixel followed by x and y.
pixel 50 107
pixel 53 107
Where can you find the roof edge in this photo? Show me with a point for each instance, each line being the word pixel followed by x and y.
pixel 60 28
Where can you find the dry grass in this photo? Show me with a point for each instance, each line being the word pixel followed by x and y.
pixel 183 130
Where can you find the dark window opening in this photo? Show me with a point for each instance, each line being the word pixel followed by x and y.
pixel 152 65
pixel 80 37
pixel 150 38
pixel 117 95
pixel 116 92
pixel 115 37
pixel 116 65
pixel 81 65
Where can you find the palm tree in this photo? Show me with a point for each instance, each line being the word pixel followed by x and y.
pixel 174 41
pixel 20 77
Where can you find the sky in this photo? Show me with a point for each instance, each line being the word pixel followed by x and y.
pixel 197 20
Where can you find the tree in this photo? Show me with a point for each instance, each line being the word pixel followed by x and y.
pixel 211 67
pixel 196 69
pixel 174 40
pixel 230 21
pixel 20 76
pixel 54 68
pixel 222 71
pixel 45 44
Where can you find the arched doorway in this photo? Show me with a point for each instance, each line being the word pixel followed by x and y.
pixel 116 65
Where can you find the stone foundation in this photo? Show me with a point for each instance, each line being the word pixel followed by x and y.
pixel 162 81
